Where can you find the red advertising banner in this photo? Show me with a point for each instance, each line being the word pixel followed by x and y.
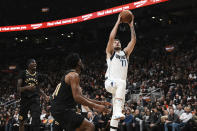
pixel 81 18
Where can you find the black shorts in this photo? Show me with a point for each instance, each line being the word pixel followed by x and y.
pixel 68 119
pixel 32 104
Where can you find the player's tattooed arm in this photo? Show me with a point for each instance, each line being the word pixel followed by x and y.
pixel 128 50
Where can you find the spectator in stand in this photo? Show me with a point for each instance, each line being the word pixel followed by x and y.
pixel 147 118
pixel 185 117
pixel 177 100
pixel 184 100
pixel 194 118
pixel 139 105
pixel 96 121
pixel 85 110
pixel 15 120
pixel 2 122
pixel 159 107
pixel 126 125
pixel 138 121
pixel 90 116
pixel 179 111
pixel 172 121
pixel 154 120
pixel 104 121
pixel 164 117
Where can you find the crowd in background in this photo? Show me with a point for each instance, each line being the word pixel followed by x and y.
pixel 175 73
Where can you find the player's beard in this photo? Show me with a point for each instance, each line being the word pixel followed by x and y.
pixel 117 48
pixel 32 69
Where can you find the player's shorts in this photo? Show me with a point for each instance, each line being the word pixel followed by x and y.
pixel 111 85
pixel 32 104
pixel 68 119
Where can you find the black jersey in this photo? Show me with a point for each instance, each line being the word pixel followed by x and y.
pixel 63 97
pixel 29 79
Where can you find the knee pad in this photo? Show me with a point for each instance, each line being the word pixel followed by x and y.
pixel 110 86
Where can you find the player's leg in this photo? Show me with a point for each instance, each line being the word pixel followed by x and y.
pixel 58 121
pixel 35 113
pixel 113 122
pixel 110 85
pixel 78 122
pixel 123 103
pixel 119 99
pixel 72 121
pixel 86 126
pixel 24 107
pixel 35 125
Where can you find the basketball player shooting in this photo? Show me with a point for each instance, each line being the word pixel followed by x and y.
pixel 116 74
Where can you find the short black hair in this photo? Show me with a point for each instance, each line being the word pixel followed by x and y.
pixel 116 39
pixel 29 61
pixel 72 60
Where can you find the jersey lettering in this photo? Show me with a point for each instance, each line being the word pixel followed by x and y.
pixel 124 62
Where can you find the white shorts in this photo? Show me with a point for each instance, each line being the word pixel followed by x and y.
pixel 112 85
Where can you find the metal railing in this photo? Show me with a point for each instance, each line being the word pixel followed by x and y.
pixel 8 102
pixel 157 93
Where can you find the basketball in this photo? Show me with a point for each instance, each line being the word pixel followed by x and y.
pixel 126 16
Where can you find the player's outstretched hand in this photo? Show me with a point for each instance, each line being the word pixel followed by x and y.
pixel 102 108
pixel 106 103
pixel 119 19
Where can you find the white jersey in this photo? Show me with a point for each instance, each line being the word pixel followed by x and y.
pixel 117 66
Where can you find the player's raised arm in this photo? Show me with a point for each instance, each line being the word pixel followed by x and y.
pixel 131 44
pixel 99 102
pixel 109 49
pixel 77 94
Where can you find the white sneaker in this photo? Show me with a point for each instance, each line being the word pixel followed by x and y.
pixel 119 116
